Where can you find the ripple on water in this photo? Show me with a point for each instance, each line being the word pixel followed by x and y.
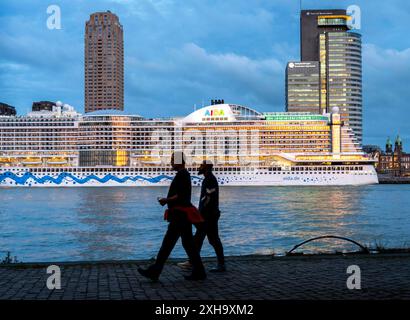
pixel 126 223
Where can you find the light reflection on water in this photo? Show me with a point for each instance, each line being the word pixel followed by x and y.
pixel 43 224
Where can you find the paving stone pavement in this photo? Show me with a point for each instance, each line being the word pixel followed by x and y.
pixel 384 276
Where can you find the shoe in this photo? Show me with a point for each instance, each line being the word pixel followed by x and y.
pixel 219 268
pixel 196 277
pixel 148 273
pixel 185 265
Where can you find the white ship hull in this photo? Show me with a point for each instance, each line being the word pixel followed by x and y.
pixel 20 177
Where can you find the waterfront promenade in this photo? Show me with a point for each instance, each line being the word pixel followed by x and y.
pixel 384 276
pixel 388 179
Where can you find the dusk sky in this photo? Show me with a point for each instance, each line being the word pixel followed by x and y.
pixel 181 53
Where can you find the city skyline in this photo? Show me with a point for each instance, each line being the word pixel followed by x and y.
pixel 244 49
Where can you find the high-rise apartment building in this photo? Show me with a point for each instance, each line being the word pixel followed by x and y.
pixel 104 62
pixel 327 39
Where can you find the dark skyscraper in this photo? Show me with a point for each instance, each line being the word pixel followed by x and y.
pixel 104 63
pixel 327 39
pixel 315 22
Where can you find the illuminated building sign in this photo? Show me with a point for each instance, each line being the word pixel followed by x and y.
pixel 214 113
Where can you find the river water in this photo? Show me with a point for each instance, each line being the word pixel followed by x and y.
pixel 67 224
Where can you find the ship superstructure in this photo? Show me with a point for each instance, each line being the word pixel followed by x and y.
pixel 247 147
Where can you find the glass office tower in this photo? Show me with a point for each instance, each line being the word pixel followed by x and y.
pixel 327 40
pixel 302 87
pixel 344 77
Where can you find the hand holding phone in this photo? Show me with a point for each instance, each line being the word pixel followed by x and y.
pixel 162 201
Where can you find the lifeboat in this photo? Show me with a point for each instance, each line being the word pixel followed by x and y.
pixel 56 161
pixel 31 161
pixel 149 160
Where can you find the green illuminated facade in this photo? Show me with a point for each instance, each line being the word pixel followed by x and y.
pixel 277 116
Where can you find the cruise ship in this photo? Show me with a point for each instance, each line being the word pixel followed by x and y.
pixel 62 148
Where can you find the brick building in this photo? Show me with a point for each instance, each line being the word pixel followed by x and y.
pixel 394 160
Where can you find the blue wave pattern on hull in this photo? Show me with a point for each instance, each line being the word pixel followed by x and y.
pixel 65 175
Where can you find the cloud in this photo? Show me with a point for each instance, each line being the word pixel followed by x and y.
pixel 386 81
pixel 178 55
pixel 192 75
pixel 253 77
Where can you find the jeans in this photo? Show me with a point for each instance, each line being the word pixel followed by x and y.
pixel 209 229
pixel 179 226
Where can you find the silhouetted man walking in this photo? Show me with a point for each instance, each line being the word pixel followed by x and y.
pixel 180 215
pixel 209 209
